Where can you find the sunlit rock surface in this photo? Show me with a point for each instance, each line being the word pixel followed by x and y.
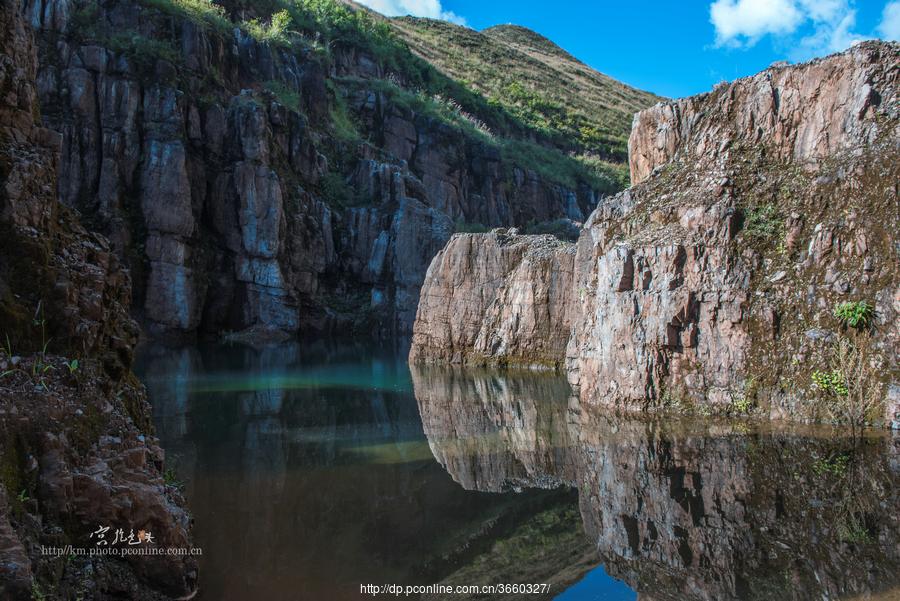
pixel 496 297
pixel 804 113
pixel 712 282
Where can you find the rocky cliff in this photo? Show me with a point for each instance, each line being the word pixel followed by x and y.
pixel 293 179
pixel 800 114
pixel 497 296
pixel 679 509
pixel 75 450
pixel 717 281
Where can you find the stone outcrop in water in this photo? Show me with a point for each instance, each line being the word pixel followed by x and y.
pixel 74 449
pixel 761 206
pixel 495 296
pixel 680 509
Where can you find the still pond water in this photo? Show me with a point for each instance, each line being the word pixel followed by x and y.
pixel 313 470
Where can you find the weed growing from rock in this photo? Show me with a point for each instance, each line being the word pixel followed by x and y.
pixel 830 382
pixel 851 388
pixel 855 314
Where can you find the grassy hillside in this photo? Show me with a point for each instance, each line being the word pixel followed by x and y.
pixel 577 108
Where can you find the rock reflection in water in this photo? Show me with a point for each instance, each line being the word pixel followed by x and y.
pixel 681 509
pixel 308 474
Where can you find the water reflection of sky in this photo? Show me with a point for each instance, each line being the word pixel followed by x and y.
pixel 597 585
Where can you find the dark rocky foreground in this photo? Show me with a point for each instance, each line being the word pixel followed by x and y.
pixel 76 450
pixel 711 285
pixel 77 456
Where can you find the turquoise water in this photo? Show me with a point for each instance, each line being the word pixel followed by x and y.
pixel 313 470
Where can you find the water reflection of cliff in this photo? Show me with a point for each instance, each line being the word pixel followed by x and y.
pixel 681 510
pixel 308 474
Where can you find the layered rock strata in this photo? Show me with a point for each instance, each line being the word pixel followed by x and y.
pixel 211 161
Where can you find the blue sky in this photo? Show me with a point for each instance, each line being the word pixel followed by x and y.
pixel 677 48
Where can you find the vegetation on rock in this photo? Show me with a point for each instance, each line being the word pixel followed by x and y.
pixel 855 314
pixel 567 143
pixel 721 266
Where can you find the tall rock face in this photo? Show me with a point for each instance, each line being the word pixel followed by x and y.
pixel 679 509
pixel 215 164
pixel 163 176
pixel 761 207
pixel 75 453
pixel 803 115
pixel 51 269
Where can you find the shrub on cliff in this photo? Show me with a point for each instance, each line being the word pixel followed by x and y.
pixel 276 31
pixel 334 23
pixel 558 167
pixel 764 222
pixel 285 95
pixel 142 51
pixel 201 12
pixel 856 314
pixel 850 388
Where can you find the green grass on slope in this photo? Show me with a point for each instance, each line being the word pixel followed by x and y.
pixel 575 130
pixel 535 80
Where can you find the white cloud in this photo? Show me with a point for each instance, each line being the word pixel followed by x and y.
pixel 889 28
pixel 744 22
pixel 830 23
pixel 417 8
pixel 831 35
pixel 824 10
